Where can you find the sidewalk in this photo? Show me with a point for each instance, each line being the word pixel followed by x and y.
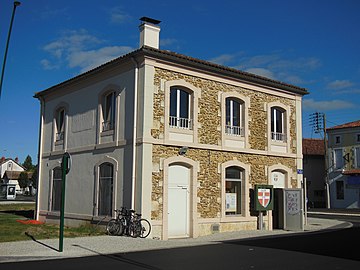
pixel 102 245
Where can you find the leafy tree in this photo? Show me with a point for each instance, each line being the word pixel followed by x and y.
pixel 23 180
pixel 28 164
pixel 34 177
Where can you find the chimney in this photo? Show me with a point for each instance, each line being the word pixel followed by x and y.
pixel 149 32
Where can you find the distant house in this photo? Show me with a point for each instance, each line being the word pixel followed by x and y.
pixel 179 139
pixel 314 171
pixel 344 165
pixel 10 170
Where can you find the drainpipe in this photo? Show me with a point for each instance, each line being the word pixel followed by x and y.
pixel 42 110
pixel 133 177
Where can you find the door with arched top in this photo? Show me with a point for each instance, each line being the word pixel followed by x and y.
pixel 178 201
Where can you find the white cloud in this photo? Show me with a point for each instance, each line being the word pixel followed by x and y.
pixel 261 72
pixel 340 84
pixel 328 105
pixel 87 60
pixel 223 59
pixel 117 15
pixel 79 49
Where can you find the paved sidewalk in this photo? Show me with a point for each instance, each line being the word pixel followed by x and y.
pixel 101 245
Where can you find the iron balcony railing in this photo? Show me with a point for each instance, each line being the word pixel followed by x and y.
pixel 234 130
pixel 178 122
pixel 277 136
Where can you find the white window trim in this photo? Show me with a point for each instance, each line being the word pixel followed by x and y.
pixel 195 95
pixel 286 109
pixel 246 104
pixel 334 159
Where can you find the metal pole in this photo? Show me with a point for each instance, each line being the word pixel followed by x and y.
pixel 326 165
pixel 62 208
pixel 16 3
pixel 306 200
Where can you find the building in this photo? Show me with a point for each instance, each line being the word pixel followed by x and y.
pixel 314 172
pixel 179 139
pixel 10 170
pixel 344 165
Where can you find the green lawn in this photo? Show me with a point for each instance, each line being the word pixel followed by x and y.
pixel 12 230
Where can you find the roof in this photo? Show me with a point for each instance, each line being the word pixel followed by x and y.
pixel 184 60
pixel 313 147
pixel 352 172
pixel 15 174
pixel 346 125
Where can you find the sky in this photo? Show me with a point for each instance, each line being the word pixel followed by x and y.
pixel 307 43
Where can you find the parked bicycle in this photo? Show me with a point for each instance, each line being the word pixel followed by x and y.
pixel 130 223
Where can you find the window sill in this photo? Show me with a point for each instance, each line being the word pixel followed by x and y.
pixel 107 133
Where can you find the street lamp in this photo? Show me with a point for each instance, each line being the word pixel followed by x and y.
pixel 16 3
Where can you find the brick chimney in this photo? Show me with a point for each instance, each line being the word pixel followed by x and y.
pixel 149 32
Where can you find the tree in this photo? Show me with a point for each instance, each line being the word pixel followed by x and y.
pixel 23 180
pixel 34 177
pixel 28 164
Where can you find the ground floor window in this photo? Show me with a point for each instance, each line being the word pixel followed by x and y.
pixel 105 189
pixel 340 190
pixel 233 182
pixel 56 189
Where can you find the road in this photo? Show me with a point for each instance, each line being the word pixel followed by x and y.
pixel 330 249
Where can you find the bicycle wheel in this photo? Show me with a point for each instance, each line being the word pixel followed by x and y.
pixel 134 229
pixel 122 226
pixel 113 227
pixel 145 228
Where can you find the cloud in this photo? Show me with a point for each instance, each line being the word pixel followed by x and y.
pixel 87 60
pixel 167 41
pixel 329 105
pixel 339 84
pixel 118 16
pixel 79 49
pixel 261 72
pixel 223 59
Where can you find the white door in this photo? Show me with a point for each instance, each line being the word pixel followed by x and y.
pixel 178 201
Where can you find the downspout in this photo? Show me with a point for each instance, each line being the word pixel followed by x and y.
pixel 42 110
pixel 133 177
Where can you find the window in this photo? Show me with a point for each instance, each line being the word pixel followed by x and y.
pixel 234 117
pixel 105 189
pixel 233 180
pixel 338 158
pixel 60 124
pixel 56 189
pixel 337 139
pixel 357 157
pixel 339 190
pixel 108 111
pixel 278 124
pixel 180 109
pixel 357 137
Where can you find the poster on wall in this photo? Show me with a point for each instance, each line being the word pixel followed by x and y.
pixel 230 200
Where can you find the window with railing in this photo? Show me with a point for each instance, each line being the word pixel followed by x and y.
pixel 60 124
pixel 108 111
pixel 234 117
pixel 278 124
pixel 180 109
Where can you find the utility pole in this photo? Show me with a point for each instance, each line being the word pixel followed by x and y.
pixel 318 121
pixel 16 3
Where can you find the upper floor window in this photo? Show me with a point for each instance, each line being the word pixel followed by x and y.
pixel 234 117
pixel 60 124
pixel 338 158
pixel 357 137
pixel 278 120
pixel 357 157
pixel 180 109
pixel 108 111
pixel 337 139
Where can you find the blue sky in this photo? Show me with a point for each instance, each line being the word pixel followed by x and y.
pixel 311 44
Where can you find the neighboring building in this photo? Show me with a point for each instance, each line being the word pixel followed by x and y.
pixel 314 172
pixel 344 165
pixel 181 140
pixel 9 169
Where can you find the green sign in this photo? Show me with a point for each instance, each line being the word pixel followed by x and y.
pixel 263 196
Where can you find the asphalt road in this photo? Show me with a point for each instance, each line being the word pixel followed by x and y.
pixel 329 249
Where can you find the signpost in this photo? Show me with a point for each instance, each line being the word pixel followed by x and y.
pixel 263 201
pixel 65 168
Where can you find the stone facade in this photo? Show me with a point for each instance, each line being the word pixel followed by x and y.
pixel 211 155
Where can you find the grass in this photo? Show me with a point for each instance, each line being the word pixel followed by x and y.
pixel 12 230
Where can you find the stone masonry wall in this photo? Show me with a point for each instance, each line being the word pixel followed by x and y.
pixel 209 133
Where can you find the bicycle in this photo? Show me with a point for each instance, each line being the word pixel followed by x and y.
pixel 142 227
pixel 115 226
